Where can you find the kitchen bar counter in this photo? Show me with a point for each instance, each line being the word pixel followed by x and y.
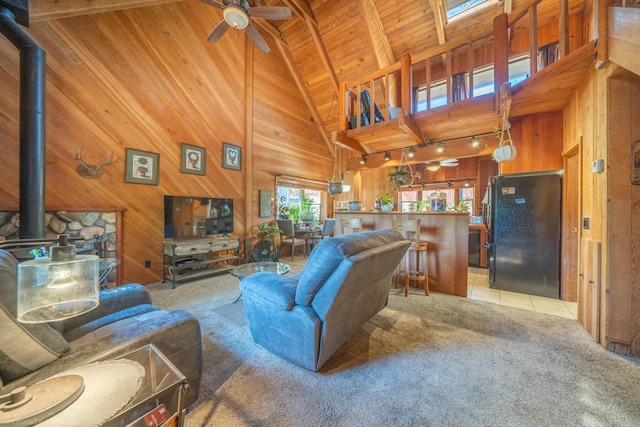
pixel 447 234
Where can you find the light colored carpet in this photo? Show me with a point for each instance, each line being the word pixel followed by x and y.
pixel 422 361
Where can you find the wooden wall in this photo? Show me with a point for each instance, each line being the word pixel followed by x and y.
pixel 146 78
pixel 539 141
pixel 603 115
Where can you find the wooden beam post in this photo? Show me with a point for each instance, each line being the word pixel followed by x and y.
pixel 500 56
pixel 405 77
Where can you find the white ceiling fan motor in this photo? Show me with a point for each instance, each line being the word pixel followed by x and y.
pixel 236 17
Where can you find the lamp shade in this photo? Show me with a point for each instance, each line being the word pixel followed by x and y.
pixel 56 290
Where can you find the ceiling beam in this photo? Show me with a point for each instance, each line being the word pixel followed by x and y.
pixel 269 28
pixel 378 39
pixel 301 9
pixel 410 127
pixel 281 44
pixel 299 81
pixel 439 20
pixel 297 77
pixel 340 138
pixel 41 10
pixel 322 51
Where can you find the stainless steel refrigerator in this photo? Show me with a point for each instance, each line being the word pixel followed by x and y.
pixel 524 221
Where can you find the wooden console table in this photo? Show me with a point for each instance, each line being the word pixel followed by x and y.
pixel 197 258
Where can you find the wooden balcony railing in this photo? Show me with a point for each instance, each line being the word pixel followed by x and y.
pixel 388 97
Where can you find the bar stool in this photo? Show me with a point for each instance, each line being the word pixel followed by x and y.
pixel 355 224
pixel 417 251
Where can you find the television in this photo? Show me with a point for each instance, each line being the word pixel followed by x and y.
pixel 187 216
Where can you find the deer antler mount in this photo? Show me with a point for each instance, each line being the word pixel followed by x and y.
pixel 91 171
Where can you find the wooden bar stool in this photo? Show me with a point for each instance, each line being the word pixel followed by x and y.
pixel 416 252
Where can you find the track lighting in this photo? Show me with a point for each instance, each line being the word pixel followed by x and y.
pixel 440 147
pixel 412 152
pixel 422 187
pixel 474 141
pixel 387 157
pixel 363 159
pixel 467 183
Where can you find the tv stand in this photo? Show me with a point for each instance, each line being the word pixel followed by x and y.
pixel 192 259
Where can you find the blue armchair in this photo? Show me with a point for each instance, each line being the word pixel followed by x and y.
pixel 306 317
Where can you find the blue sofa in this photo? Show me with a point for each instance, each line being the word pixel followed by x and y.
pixel 305 318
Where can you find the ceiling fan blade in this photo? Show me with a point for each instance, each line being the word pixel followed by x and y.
pixel 270 12
pixel 449 162
pixel 213 3
pixel 257 38
pixel 218 31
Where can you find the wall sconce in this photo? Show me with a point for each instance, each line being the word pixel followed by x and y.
pixel 412 152
pixel 363 159
pixel 440 147
pixel 387 157
pixel 467 183
pixel 474 141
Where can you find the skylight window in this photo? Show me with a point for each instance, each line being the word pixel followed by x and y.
pixel 457 9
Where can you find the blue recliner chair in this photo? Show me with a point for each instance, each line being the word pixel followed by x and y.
pixel 306 317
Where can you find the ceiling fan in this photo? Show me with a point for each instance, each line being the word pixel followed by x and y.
pixel 434 166
pixel 237 14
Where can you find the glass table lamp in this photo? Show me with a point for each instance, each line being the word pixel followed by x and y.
pixel 51 288
pixel 57 287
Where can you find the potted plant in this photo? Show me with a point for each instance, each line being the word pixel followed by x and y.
pixel 506 151
pixel 400 176
pixel 335 185
pixel 283 212
pixel 386 201
pixel 294 212
pixel 462 206
pixel 306 214
pixel 267 231
pixel 421 205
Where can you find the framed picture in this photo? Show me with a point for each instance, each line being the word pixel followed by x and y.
pixel 142 167
pixel 193 159
pixel 231 156
pixel 265 203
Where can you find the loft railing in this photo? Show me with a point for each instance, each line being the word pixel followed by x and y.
pixel 451 69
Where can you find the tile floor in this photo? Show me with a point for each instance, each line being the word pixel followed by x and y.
pixel 478 288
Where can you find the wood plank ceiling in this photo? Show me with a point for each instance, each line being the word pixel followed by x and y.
pixel 329 41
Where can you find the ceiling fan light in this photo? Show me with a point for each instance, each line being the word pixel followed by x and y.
pixel 433 167
pixel 236 17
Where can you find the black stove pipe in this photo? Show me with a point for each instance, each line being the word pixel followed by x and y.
pixel 32 126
